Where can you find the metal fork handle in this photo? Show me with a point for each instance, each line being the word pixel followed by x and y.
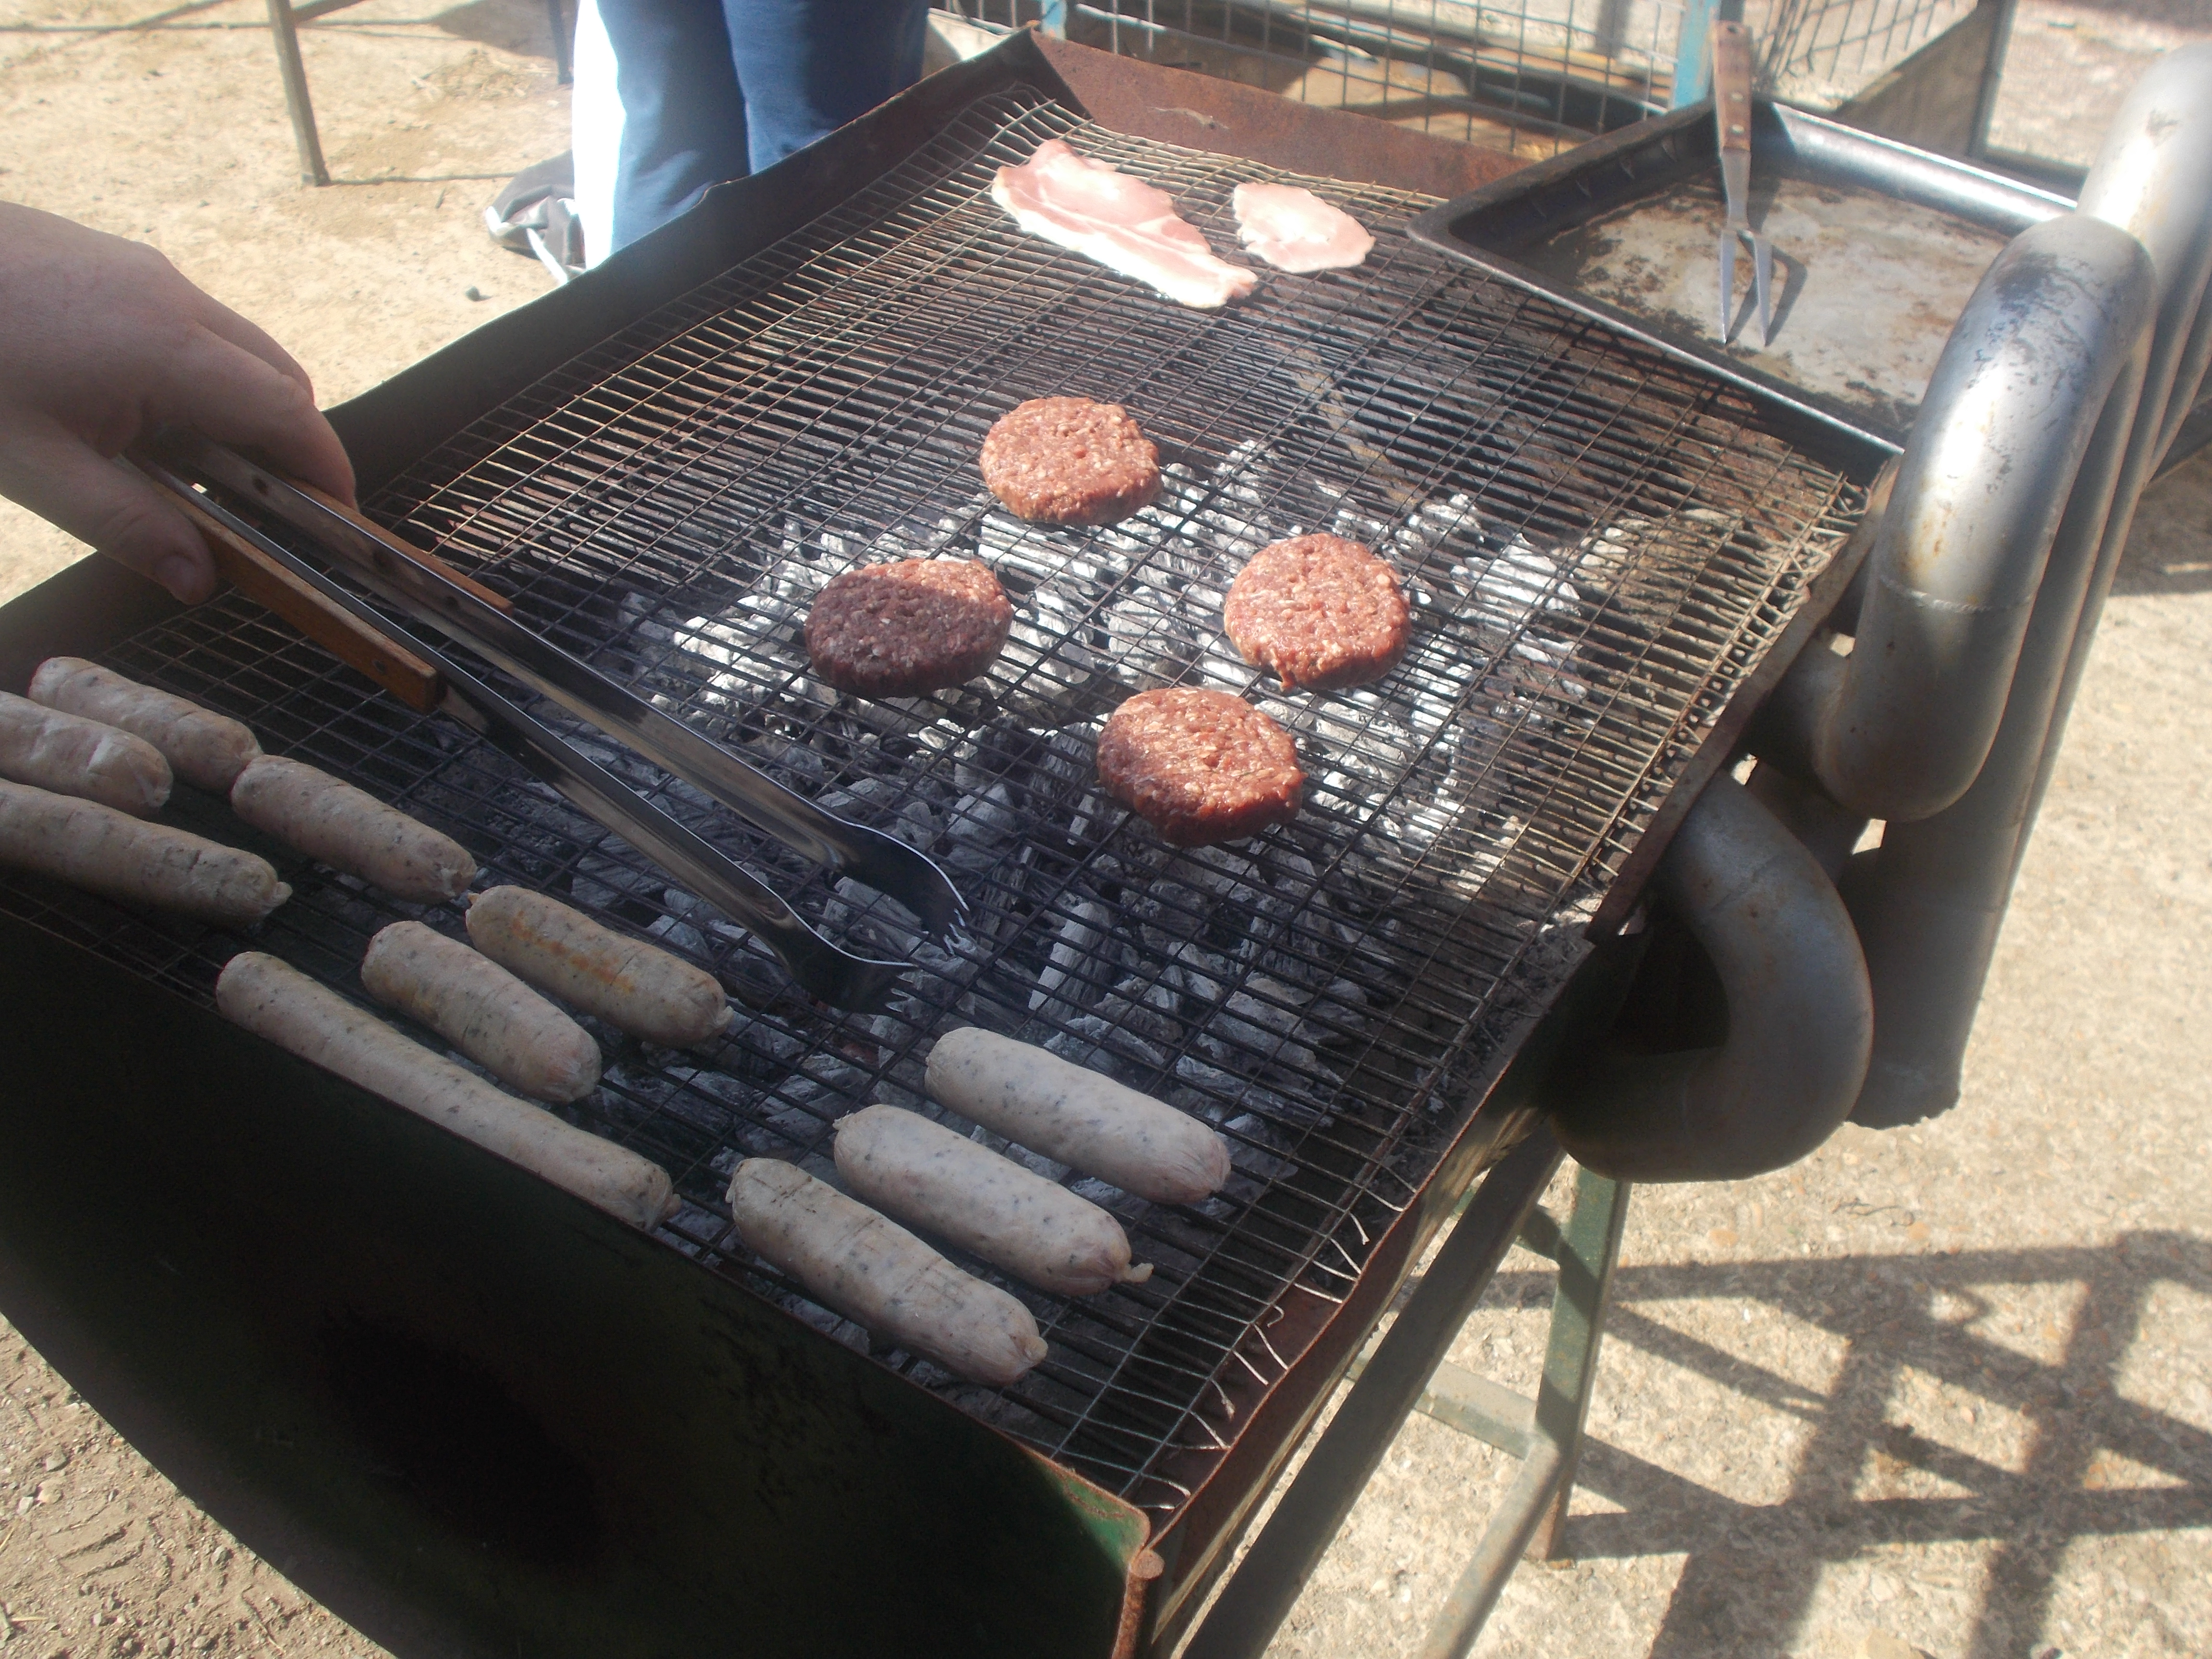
pixel 838 976
pixel 427 592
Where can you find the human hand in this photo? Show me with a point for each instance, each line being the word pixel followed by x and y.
pixel 102 341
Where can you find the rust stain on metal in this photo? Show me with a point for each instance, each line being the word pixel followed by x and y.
pixel 1720 744
pixel 1144 1568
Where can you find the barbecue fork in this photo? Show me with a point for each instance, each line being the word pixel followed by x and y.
pixel 1732 113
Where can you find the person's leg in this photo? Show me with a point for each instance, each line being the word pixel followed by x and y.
pixel 595 129
pixel 809 66
pixel 684 119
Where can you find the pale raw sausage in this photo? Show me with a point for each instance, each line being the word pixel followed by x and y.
pixel 482 1009
pixel 1034 1097
pixel 207 750
pixel 351 830
pixel 631 985
pixel 279 1002
pixel 1014 1218
pixel 73 755
pixel 881 1276
pixel 120 857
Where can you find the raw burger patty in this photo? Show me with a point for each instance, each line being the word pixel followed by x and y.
pixel 900 629
pixel 1321 612
pixel 1068 460
pixel 1200 766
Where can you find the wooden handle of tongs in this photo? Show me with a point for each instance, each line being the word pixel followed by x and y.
pixel 404 550
pixel 337 630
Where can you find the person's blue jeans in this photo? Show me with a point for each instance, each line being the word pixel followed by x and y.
pixel 715 89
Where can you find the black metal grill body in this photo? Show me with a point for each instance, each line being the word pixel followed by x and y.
pixel 662 463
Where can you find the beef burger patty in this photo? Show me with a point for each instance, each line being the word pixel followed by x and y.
pixel 1070 461
pixel 1319 611
pixel 1200 766
pixel 907 628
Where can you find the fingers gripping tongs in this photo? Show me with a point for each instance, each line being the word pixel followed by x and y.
pixel 1731 45
pixel 423 589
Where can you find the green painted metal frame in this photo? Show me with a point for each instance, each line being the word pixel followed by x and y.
pixel 1408 1372
pixel 1546 1432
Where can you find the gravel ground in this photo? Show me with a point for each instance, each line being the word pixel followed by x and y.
pixel 1946 1390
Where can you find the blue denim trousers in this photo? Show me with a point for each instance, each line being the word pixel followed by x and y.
pixel 715 89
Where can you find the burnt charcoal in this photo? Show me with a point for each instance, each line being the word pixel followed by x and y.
pixel 1151 640
pixel 1249 1138
pixel 1076 966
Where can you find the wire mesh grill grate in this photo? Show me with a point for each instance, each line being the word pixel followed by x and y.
pixel 1599 544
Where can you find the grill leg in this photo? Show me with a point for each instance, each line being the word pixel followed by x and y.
pixel 1549 1438
pixel 1259 1592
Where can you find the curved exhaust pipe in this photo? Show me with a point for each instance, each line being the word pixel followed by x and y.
pixel 1800 1015
pixel 1931 901
pixel 1899 729
pixel 2153 178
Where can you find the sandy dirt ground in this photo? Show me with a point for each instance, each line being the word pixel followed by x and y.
pixel 1947 1389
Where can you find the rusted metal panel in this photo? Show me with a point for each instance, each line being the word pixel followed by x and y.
pixel 1178 107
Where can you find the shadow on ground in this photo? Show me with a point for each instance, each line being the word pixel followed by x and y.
pixel 1751 1568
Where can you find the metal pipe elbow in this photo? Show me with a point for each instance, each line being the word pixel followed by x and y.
pixel 1800 1015
pixel 1899 729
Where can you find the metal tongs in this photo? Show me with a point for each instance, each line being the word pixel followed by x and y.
pixel 1731 45
pixel 424 589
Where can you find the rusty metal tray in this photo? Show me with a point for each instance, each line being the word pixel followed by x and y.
pixel 1877 247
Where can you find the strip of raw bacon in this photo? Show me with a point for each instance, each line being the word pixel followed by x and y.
pixel 1124 223
pixel 1294 230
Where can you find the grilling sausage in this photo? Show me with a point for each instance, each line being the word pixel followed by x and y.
pixel 482 1009
pixel 625 982
pixel 110 853
pixel 72 755
pixel 279 1002
pixel 881 1276
pixel 1092 1122
pixel 205 749
pixel 351 831
pixel 945 1183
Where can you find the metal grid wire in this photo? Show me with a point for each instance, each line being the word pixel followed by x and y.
pixel 1818 54
pixel 1598 543
pixel 1531 78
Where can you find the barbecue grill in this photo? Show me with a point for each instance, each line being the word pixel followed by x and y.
pixel 472 1415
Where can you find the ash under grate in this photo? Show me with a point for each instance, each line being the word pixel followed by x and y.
pixel 1598 544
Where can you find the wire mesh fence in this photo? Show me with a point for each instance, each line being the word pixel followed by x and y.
pixel 1529 76
pixel 1818 54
